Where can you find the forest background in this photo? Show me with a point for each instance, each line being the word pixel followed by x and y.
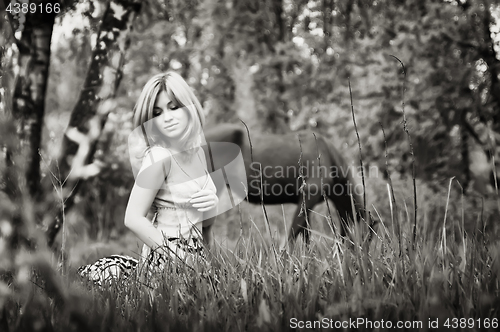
pixel 279 66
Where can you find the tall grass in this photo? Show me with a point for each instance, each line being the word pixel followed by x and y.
pixel 250 288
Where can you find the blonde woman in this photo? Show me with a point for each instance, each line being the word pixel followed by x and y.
pixel 173 178
pixel 172 183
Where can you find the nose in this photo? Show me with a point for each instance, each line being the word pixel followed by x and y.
pixel 167 117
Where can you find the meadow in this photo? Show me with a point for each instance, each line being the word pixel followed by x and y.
pixel 446 277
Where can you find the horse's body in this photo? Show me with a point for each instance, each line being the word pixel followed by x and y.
pixel 279 157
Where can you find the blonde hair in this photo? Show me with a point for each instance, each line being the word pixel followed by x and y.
pixel 179 92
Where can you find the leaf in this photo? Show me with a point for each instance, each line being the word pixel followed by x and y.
pixel 264 314
pixel 244 291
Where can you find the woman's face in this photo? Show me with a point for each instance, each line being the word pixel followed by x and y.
pixel 168 118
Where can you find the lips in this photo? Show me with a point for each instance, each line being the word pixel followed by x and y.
pixel 170 126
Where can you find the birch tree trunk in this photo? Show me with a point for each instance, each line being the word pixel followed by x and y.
pixel 95 102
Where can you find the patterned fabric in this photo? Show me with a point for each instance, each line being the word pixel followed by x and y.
pixel 118 267
pixel 179 251
pixel 109 268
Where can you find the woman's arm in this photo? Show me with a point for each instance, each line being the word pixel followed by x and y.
pixel 209 217
pixel 135 217
pixel 155 168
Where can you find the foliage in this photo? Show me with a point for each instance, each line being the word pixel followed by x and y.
pixel 292 71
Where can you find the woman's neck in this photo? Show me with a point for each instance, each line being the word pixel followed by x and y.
pixel 182 151
pixel 175 146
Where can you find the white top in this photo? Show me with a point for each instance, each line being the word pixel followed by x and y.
pixel 175 217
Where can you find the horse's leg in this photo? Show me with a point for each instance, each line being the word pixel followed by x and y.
pixel 345 217
pixel 343 204
pixel 299 224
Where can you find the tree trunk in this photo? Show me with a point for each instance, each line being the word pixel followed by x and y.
pixel 244 100
pixel 276 119
pixel 6 39
pixel 28 101
pixel 488 54
pixel 90 113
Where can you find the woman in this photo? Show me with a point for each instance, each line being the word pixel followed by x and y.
pixel 171 178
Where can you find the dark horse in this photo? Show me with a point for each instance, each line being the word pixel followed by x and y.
pixel 291 172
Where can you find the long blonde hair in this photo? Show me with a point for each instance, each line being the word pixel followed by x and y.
pixel 180 93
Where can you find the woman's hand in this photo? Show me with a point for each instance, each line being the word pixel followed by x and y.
pixel 204 200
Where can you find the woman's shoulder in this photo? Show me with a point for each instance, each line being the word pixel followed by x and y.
pixel 156 156
pixel 158 152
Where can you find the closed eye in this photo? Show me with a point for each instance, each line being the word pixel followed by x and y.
pixel 157 111
pixel 172 106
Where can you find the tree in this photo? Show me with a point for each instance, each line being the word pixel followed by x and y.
pixel 28 107
pixel 89 115
pixel 94 104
